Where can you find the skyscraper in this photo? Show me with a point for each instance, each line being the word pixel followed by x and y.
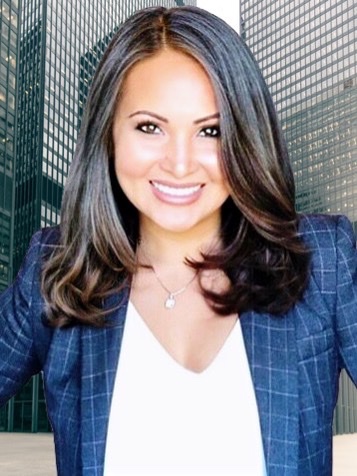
pixel 307 52
pixel 9 56
pixel 47 61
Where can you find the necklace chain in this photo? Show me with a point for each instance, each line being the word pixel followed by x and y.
pixel 170 301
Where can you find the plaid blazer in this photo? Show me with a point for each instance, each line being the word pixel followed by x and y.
pixel 295 360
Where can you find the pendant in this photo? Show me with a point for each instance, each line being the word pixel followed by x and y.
pixel 170 302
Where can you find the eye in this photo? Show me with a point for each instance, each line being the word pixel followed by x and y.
pixel 148 128
pixel 210 131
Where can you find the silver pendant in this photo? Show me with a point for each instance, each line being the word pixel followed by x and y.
pixel 170 302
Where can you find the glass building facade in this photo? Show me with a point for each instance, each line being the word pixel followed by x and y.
pixel 9 56
pixel 49 51
pixel 307 52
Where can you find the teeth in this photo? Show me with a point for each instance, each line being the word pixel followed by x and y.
pixel 177 192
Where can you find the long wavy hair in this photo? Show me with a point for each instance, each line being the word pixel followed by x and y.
pixel 262 254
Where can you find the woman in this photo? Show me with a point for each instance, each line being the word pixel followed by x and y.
pixel 186 320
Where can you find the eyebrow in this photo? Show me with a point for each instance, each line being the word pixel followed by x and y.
pixel 216 115
pixel 148 113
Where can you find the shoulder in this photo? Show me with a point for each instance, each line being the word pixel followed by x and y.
pixel 332 245
pixel 325 231
pixel 50 235
pixel 46 237
pixel 42 242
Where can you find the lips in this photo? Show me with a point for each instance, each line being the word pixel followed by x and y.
pixel 179 195
pixel 177 190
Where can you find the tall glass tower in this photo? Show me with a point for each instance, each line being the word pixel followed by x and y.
pixel 307 52
pixel 9 61
pixel 49 51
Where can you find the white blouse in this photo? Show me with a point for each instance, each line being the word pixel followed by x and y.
pixel 167 420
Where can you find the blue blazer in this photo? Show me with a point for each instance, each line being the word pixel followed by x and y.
pixel 295 360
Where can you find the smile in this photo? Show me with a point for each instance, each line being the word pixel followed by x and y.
pixel 176 191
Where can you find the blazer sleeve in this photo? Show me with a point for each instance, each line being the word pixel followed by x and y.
pixel 346 300
pixel 19 358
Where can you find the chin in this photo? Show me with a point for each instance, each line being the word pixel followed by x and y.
pixel 189 222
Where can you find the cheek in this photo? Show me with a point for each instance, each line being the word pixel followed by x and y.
pixel 213 165
pixel 134 159
pixel 207 152
pixel 128 163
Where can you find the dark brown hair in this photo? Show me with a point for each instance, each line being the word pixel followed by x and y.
pixel 262 254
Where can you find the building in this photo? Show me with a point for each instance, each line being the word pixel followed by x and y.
pixel 9 61
pixel 307 52
pixel 49 51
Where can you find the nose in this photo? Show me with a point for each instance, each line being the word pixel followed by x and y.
pixel 179 159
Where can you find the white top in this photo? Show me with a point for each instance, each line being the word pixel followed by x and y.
pixel 167 420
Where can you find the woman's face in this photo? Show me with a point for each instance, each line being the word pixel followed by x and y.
pixel 166 141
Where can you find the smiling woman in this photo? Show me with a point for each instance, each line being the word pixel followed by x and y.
pixel 186 319
pixel 204 117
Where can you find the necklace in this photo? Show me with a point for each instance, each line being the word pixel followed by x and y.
pixel 170 301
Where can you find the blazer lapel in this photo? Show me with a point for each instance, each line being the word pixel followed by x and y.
pixel 100 354
pixel 271 349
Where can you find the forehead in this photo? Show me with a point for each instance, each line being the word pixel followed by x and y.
pixel 167 75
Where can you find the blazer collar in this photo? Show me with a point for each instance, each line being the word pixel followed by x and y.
pixel 271 349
